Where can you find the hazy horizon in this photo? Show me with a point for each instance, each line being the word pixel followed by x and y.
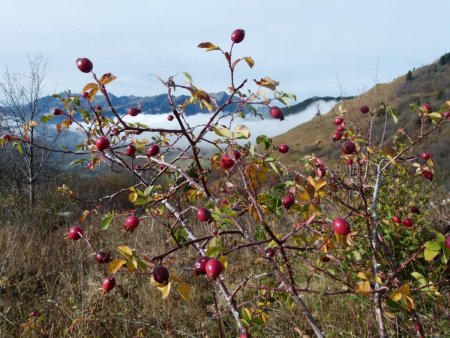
pixel 311 48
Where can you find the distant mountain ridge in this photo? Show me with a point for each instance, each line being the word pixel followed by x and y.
pixel 428 84
pixel 151 105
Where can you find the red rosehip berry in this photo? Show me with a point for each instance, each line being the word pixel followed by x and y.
pixel 85 65
pixel 427 174
pixel 108 284
pixel 341 226
pixel 153 150
pixel 213 268
pixel 277 113
pixel 238 36
pixel 427 107
pixel 226 162
pixel 408 222
pixel 102 257
pixel 161 275
pixel 269 252
pixel 75 233
pixel 447 242
pixel 425 156
pixel 203 214
pixel 102 143
pixel 283 148
pixel 57 112
pixel 364 109
pixel 348 147
pixel 133 111
pixel 338 121
pixel 288 200
pixel 337 136
pixel 131 223
pixel 415 210
pixel 131 149
pixel 200 265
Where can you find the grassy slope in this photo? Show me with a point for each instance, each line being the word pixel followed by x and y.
pixel 427 83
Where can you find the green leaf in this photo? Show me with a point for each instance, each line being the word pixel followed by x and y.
pixel 357 255
pixel 440 237
pixel 78 162
pixel 435 117
pixel 241 132
pixel 188 77
pixel 106 222
pixel 393 113
pixel 213 248
pixel 429 254
pixel 148 190
pixel 263 139
pixel 142 265
pixel 433 246
pixel 18 146
pixel 274 167
pixel 283 100
pixel 46 118
pixel 180 234
pixel 141 201
pixel 223 132
pixel 419 277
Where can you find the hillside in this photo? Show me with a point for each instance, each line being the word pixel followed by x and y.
pixel 429 84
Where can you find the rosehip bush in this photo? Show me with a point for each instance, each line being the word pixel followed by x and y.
pixel 343 224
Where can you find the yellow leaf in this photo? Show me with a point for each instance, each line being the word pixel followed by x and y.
pixel 311 181
pixel 84 215
pixel 115 265
pixel 405 289
pixel 92 94
pixel 107 78
pixel 396 296
pixel 409 303
pixel 32 123
pixel 208 45
pixel 184 289
pixel 304 196
pixel 246 314
pixel 390 314
pixel 89 87
pixel 126 251
pixel 319 184
pixel 165 290
pixel 249 61
pixel 341 239
pixel 155 283
pixel 264 317
pixel 133 197
pixel 174 277
pixel 363 287
pixel 224 261
pixel 378 280
pixel 361 275
pixel 132 265
pixel 267 82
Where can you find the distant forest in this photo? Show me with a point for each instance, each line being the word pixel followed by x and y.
pixel 304 104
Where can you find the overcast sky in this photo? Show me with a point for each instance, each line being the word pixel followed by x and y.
pixel 322 47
